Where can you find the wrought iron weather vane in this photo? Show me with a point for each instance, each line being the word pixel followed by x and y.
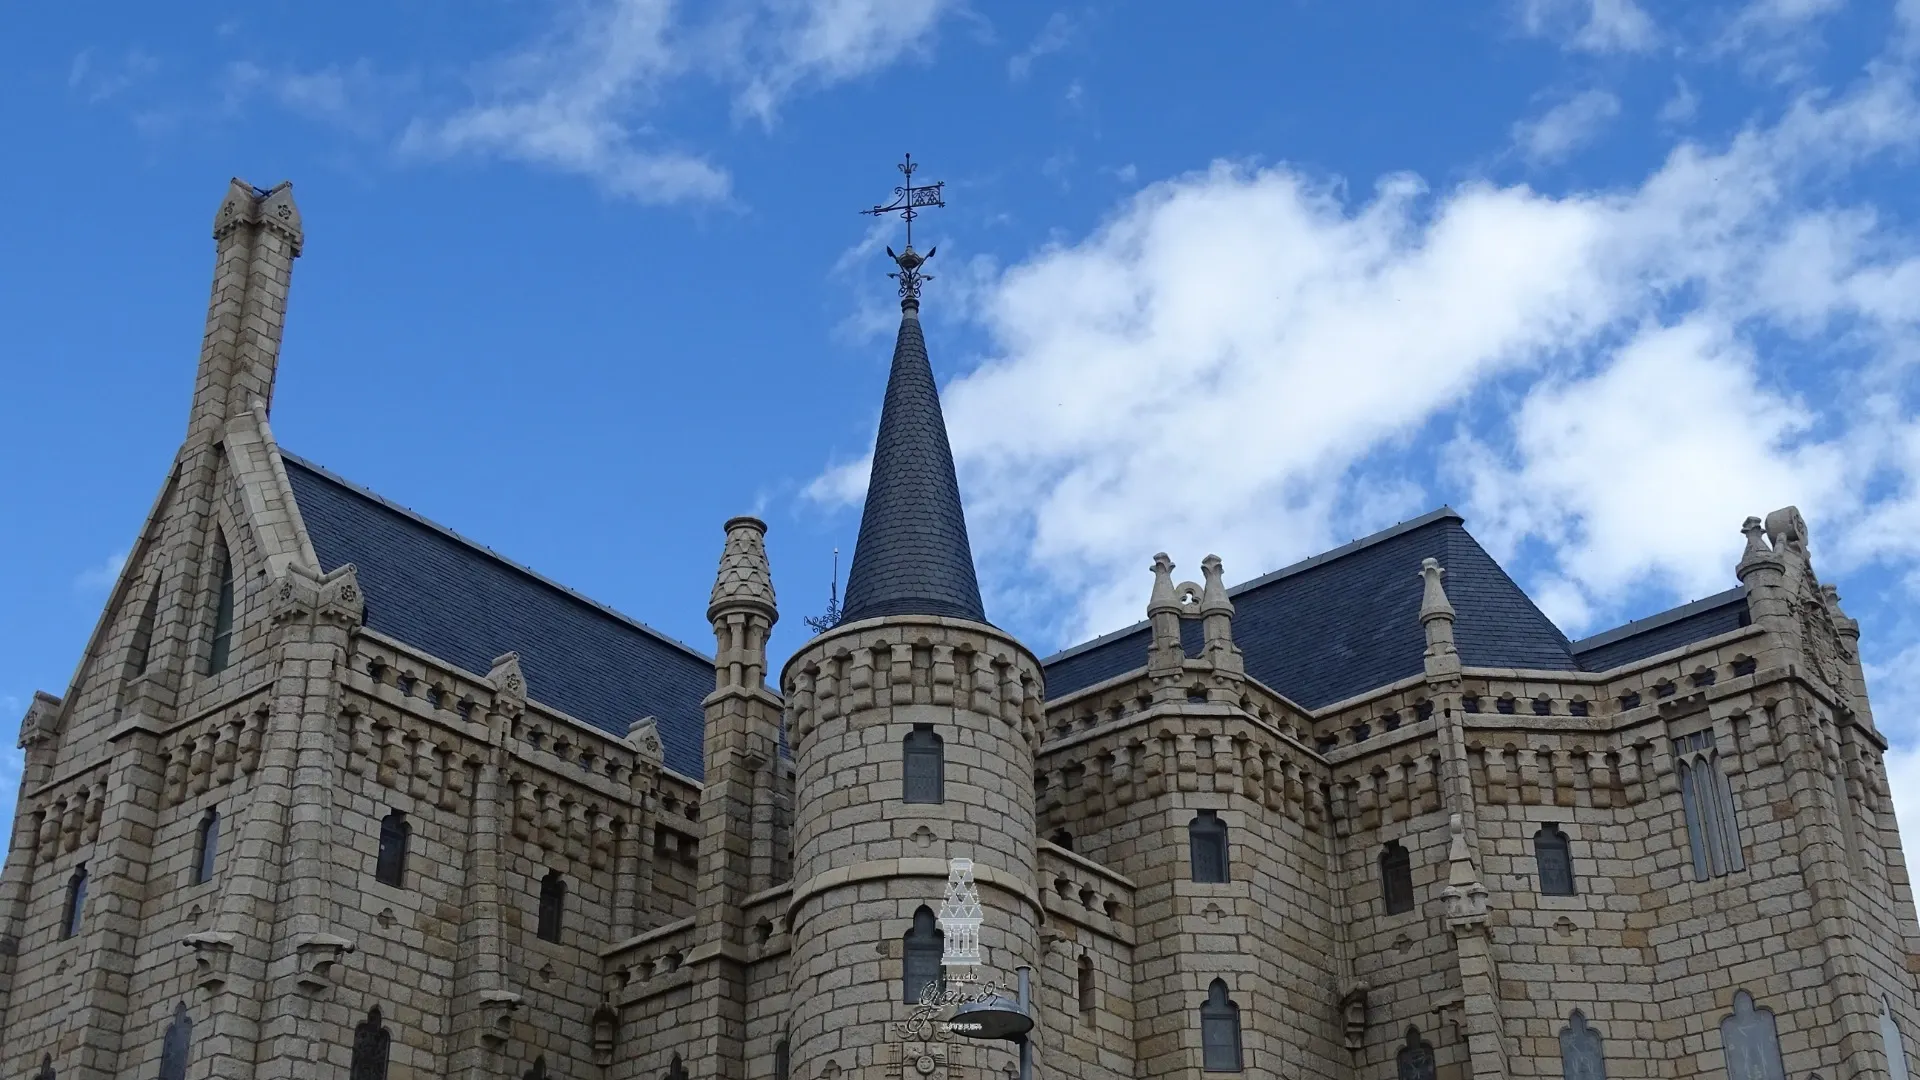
pixel 907 201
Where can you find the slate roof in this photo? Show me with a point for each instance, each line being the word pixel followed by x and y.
pixel 1670 629
pixel 439 592
pixel 912 557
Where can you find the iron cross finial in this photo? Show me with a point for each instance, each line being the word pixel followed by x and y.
pixel 907 201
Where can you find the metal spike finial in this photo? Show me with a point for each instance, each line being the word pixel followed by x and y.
pixel 907 201
pixel 831 618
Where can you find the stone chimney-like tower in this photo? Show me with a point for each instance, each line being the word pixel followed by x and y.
pixel 913 674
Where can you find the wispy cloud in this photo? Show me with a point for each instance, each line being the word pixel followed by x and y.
pixel 1682 106
pixel 1596 26
pixel 96 78
pixel 1055 34
pixel 102 575
pixel 1566 127
pixel 352 97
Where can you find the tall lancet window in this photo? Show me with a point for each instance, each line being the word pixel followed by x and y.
pixel 553 905
pixel 1553 859
pixel 1580 1057
pixel 1207 839
pixel 176 1044
pixel 1396 878
pixel 371 1044
pixel 924 772
pixel 1415 1059
pixel 76 903
pixel 46 1068
pixel 1219 1031
pixel 1895 1046
pixel 920 954
pixel 1713 832
pixel 1750 1042
pixel 206 847
pixel 390 868
pixel 222 649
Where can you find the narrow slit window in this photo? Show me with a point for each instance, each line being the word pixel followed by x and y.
pixel 176 1045
pixel 1396 878
pixel 1415 1060
pixel 921 949
pixel 1706 799
pixel 206 848
pixel 76 903
pixel 1580 1053
pixel 924 777
pixel 1207 839
pixel 390 868
pixel 1553 859
pixel 1219 1031
pixel 222 650
pixel 553 905
pixel 1086 983
pixel 372 1044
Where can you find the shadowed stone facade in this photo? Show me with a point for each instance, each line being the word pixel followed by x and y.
pixel 337 793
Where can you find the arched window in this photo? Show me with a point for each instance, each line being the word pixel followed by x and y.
pixel 391 867
pixel 371 1043
pixel 176 1043
pixel 1580 1056
pixel 1219 1030
pixel 46 1068
pixel 920 956
pixel 76 902
pixel 1750 1043
pixel 553 904
pixel 924 766
pixel 1415 1059
pixel 1396 878
pixel 1553 859
pixel 1086 983
pixel 675 1070
pixel 780 1063
pixel 1062 839
pixel 222 648
pixel 1892 1043
pixel 206 846
pixel 539 1070
pixel 143 631
pixel 1207 846
pixel 1705 795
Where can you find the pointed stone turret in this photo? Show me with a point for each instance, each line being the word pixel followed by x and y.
pixel 1216 619
pixel 1436 611
pixel 913 557
pixel 1165 655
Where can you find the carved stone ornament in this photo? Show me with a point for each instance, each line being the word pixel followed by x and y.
pixel 300 594
pixel 644 736
pixel 496 1015
pixel 42 720
pixel 212 958
pixel 1826 652
pixel 917 1060
pixel 1353 1013
pixel 318 955
pixel 509 684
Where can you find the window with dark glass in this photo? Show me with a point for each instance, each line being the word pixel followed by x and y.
pixel 1396 878
pixel 1553 858
pixel 1063 838
pixel 1713 833
pixel 1750 1042
pixel 1207 842
pixel 391 866
pixel 222 648
pixel 924 766
pixel 780 1062
pixel 175 1045
pixel 1580 1056
pixel 1415 1059
pixel 46 1068
pixel 76 903
pixel 1086 983
pixel 920 956
pixel 206 847
pixel 553 904
pixel 143 631
pixel 1219 1031
pixel 538 1072
pixel 676 1070
pixel 371 1044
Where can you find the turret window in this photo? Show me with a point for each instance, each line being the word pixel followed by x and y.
pixel 206 848
pixel 1207 841
pixel 1086 983
pixel 1415 1059
pixel 780 1062
pixel 1713 833
pixel 921 949
pixel 372 1043
pixel 176 1045
pixel 391 866
pixel 76 903
pixel 1553 859
pixel 1396 879
pixel 924 772
pixel 1219 1031
pixel 553 905
pixel 1750 1042
pixel 221 652
pixel 1580 1056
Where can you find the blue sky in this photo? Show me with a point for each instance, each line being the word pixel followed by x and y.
pixel 584 279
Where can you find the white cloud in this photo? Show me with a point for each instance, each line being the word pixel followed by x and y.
pixel 1056 34
pixel 1566 127
pixel 101 575
pixel 1599 351
pixel 1598 26
pixel 582 99
pixel 96 78
pixel 1682 106
pixel 349 96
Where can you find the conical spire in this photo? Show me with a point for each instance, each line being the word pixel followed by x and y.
pixel 913 557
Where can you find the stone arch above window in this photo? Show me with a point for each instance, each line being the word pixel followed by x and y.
pixel 1750 1042
pixel 1219 1031
pixel 921 949
pixel 1207 846
pixel 390 867
pixel 1553 860
pixel 1415 1059
pixel 553 905
pixel 923 766
pixel 1580 1054
pixel 1396 878
pixel 76 906
pixel 206 847
pixel 372 1043
pixel 220 650
pixel 176 1045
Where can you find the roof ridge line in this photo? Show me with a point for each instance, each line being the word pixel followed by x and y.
pixel 1658 619
pixel 1441 513
pixel 575 594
